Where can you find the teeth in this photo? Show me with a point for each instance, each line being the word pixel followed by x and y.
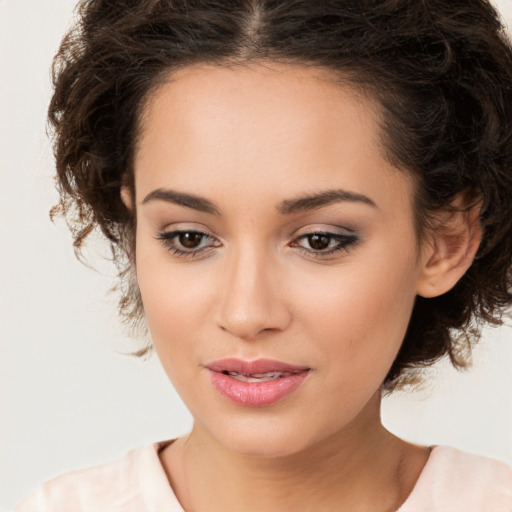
pixel 257 377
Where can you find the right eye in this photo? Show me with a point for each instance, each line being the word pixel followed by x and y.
pixel 187 243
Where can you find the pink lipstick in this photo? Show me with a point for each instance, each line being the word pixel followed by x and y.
pixel 255 383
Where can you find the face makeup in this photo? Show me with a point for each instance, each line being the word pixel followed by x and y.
pixel 276 252
pixel 255 383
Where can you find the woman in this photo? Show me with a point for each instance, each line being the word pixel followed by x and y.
pixel 308 202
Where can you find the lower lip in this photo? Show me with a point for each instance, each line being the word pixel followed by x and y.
pixel 256 394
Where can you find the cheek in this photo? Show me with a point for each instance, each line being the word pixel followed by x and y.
pixel 171 297
pixel 172 307
pixel 359 312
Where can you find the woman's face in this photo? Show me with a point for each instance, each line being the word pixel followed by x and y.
pixel 271 228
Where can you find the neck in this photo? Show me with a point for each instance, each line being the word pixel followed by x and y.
pixel 363 467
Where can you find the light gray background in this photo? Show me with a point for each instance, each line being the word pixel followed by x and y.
pixel 68 399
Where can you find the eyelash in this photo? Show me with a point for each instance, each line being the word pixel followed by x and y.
pixel 343 243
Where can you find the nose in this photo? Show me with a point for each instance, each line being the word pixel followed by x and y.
pixel 252 300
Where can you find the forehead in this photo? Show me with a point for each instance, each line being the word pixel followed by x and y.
pixel 263 94
pixel 286 125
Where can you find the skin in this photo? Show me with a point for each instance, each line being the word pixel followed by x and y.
pixel 249 139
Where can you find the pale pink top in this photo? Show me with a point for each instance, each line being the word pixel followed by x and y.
pixel 452 481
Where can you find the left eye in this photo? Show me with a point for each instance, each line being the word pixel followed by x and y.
pixel 325 243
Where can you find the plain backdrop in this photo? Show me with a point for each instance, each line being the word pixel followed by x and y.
pixel 68 397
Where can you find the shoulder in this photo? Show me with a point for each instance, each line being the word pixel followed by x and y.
pixel 458 481
pixel 127 484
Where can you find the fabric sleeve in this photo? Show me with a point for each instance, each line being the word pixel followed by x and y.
pixel 34 502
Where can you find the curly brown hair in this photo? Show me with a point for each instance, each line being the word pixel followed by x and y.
pixel 440 69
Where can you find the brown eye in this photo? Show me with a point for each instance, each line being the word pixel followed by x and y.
pixel 190 239
pixel 187 243
pixel 319 242
pixel 324 244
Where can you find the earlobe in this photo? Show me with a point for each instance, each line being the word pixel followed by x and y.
pixel 450 249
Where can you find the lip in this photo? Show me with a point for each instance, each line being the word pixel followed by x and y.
pixel 251 367
pixel 255 394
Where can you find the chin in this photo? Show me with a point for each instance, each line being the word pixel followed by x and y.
pixel 270 439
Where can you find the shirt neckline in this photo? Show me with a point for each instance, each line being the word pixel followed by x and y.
pixel 159 494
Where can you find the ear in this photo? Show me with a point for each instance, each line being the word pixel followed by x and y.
pixel 450 247
pixel 126 197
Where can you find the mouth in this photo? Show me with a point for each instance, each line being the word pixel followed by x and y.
pixel 257 377
pixel 255 383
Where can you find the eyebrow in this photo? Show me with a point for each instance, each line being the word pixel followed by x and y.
pixel 190 201
pixel 316 201
pixel 287 207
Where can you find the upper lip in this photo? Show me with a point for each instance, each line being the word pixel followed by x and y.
pixel 253 367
